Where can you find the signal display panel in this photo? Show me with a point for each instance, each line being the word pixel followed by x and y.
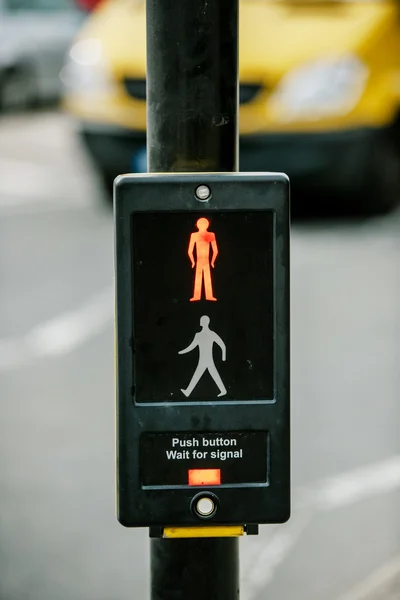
pixel 200 285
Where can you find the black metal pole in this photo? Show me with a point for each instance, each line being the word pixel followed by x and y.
pixel 192 106
pixel 194 569
pixel 192 85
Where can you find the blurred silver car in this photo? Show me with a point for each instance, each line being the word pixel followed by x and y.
pixel 34 38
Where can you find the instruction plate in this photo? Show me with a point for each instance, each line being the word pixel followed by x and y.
pixel 176 459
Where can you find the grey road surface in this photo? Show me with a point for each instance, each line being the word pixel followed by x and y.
pixel 59 538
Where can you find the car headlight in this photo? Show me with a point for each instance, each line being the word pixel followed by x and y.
pixel 86 69
pixel 319 89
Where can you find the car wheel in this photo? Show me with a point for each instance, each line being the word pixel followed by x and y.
pixel 17 89
pixel 381 190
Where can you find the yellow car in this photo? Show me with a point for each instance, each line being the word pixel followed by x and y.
pixel 319 92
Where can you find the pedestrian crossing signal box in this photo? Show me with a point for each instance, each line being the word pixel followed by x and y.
pixel 202 343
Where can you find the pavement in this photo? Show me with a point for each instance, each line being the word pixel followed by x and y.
pixel 59 538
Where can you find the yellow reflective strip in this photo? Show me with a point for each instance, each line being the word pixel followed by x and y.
pixel 193 532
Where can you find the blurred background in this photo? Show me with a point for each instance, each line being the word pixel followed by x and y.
pixel 320 100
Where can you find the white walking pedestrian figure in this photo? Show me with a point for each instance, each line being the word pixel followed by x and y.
pixel 205 339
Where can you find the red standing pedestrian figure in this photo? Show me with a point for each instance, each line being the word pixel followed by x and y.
pixel 201 241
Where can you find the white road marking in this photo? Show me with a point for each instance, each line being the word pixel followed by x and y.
pixel 19 178
pixel 332 493
pixel 38 207
pixel 347 488
pixel 374 583
pixel 271 555
pixel 25 184
pixel 61 335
